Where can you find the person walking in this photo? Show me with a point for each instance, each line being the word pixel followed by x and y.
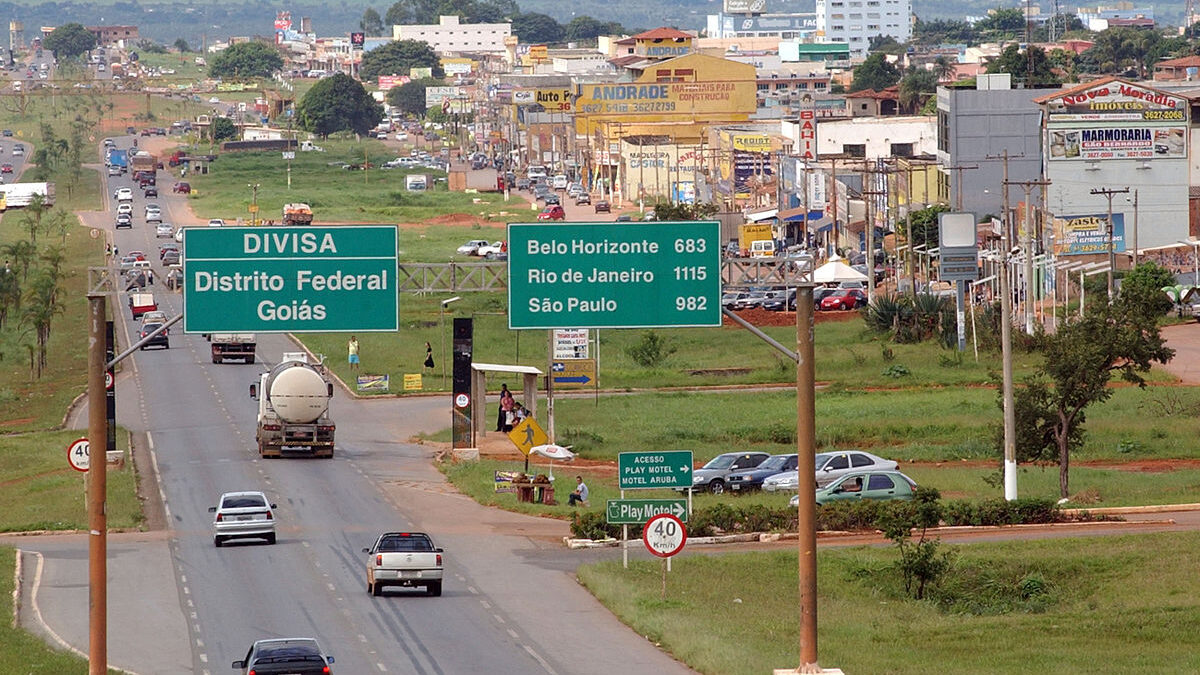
pixel 353 349
pixel 428 358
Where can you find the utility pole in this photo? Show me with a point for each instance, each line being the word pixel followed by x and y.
pixel 1027 247
pixel 1135 228
pixel 1108 193
pixel 1010 411
pixel 97 489
pixel 958 183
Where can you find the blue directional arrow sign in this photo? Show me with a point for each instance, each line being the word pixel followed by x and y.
pixel 573 372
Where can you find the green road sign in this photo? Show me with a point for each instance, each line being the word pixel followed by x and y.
pixel 638 511
pixel 284 279
pixel 614 275
pixel 668 469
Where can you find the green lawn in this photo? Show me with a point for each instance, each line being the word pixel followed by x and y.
pixel 1112 604
pixel 336 194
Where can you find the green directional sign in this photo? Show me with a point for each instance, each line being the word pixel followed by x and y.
pixel 614 275
pixel 285 279
pixel 667 469
pixel 638 511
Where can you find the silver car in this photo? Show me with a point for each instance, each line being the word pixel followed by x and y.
pixel 715 474
pixel 830 466
pixel 243 515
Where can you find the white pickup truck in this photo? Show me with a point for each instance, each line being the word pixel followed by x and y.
pixel 404 559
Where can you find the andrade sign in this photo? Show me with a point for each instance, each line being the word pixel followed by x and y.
pixel 676 97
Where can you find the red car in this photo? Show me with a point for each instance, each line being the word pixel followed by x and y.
pixel 844 299
pixel 6 168
pixel 554 212
pixel 182 188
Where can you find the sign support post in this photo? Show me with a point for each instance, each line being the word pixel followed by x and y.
pixel 97 484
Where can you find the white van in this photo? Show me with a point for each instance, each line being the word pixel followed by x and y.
pixel 536 172
pixel 763 248
pixel 560 182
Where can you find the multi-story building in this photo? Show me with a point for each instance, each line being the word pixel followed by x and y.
pixel 451 36
pixel 855 22
pixel 114 36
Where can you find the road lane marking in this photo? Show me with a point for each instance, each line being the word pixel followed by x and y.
pixel 537 657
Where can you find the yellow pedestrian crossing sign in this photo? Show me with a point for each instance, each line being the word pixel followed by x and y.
pixel 527 434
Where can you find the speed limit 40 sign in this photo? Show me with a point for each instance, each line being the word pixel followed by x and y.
pixel 79 455
pixel 664 535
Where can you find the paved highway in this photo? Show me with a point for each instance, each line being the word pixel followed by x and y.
pixel 180 605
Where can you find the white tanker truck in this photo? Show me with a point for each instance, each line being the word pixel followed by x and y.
pixel 293 408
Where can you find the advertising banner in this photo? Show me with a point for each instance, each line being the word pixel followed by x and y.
pixel 524 96
pixel 386 82
pixel 728 97
pixel 435 95
pixel 457 66
pixel 1132 142
pixel 1088 234
pixel 420 73
pixel 744 6
pixel 1118 101
pixel 656 167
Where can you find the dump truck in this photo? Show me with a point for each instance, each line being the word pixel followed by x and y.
pixel 293 408
pixel 297 214
pixel 232 346
pixel 143 161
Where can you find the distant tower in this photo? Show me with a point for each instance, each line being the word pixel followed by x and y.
pixel 16 34
pixel 1188 11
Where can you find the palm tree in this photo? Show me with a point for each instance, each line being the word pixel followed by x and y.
pixel 915 85
pixel 22 253
pixel 42 303
pixel 944 68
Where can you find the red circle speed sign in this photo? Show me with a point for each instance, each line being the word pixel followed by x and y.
pixel 664 535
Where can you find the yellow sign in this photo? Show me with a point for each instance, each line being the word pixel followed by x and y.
pixel 554 100
pixel 528 434
pixel 253 208
pixel 638 98
pixel 412 382
pixel 751 142
pixel 574 373
pixel 539 52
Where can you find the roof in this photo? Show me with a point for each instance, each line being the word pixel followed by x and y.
pixel 662 34
pixel 500 368
pixel 1183 62
pixel 1083 86
pixel 891 93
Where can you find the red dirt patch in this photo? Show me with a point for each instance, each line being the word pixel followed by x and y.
pixel 17 422
pixel 457 220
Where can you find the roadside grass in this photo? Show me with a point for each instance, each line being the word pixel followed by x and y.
pixel 335 194
pixel 43 493
pixel 20 646
pixel 1022 606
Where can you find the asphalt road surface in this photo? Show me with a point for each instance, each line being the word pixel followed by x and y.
pixel 177 604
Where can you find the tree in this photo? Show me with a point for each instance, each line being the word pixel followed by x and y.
pixel 1002 23
pixel 410 96
pixel 182 45
pixel 584 28
pixel 943 31
pixel 1120 50
pixel 885 44
pixel 371 23
pixel 398 58
pixel 1013 60
pixel 1144 285
pixel 1120 338
pixel 246 60
pixel 666 210
pixel 23 254
pixel 222 129
pixel 41 304
pixel 69 41
pixel 537 28
pixel 875 73
pixel 918 84
pixel 338 103
pixel 944 68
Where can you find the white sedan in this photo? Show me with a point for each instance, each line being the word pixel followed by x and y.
pixel 164 230
pixel 243 515
pixel 472 247
pixel 830 466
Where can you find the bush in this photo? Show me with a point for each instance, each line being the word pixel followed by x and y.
pixel 651 351
pixel 592 525
pixel 1000 512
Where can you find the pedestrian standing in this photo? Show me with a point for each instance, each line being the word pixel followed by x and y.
pixel 150 277
pixel 353 349
pixel 504 422
pixel 429 358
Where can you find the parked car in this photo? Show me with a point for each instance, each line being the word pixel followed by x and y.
pixel 298 656
pixel 829 467
pixel 471 247
pixel 730 298
pixel 844 299
pixel 216 222
pixel 496 256
pixel 494 247
pixel 160 340
pixel 746 480
pixel 781 301
pixel 602 206
pixel 6 168
pixel 712 476
pixel 552 212
pixel 242 515
pixel 182 188
pixel 750 300
pixel 880 485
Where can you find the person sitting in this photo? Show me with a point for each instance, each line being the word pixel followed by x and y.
pixel 580 494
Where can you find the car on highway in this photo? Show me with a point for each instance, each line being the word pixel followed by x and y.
pixel 552 200
pixel 157 316
pixel 6 168
pixel 712 476
pixel 18 149
pixel 829 467
pixel 216 222
pixel 583 198
pixel 471 247
pixel 114 170
pixel 161 340
pixel 123 194
pixel 242 515
pixel 523 184
pixel 746 480
pixel 294 656
pixel 150 191
pixel 124 221
pixel 844 299
pixel 552 212
pixel 171 257
pixel 182 188
pixel 153 212
pixel 878 485
pixel 404 559
pixel 164 230
pixel 125 207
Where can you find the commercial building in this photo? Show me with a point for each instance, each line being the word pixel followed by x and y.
pixel 784 26
pixel 448 35
pixel 114 36
pixel 855 22
pixel 1113 134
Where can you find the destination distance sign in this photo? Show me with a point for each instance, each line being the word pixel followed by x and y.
pixel 614 275
pixel 285 279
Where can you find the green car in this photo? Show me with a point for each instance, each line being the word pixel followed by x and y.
pixel 866 485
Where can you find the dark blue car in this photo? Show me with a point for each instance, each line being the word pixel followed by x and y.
pixel 752 479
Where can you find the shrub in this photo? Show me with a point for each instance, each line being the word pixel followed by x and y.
pixel 592 525
pixel 1001 512
pixel 651 351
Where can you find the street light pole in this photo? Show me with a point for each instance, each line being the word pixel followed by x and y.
pixel 254 204
pixel 1112 255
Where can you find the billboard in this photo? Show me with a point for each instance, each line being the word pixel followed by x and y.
pixel 1088 234
pixel 1124 142
pixel 551 100
pixel 722 97
pixel 744 6
pixel 386 82
pixel 657 167
pixel 418 73
pixel 1118 101
pixel 457 66
pixel 435 95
